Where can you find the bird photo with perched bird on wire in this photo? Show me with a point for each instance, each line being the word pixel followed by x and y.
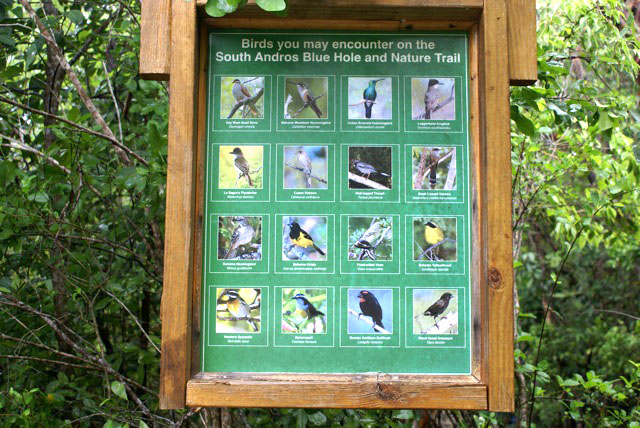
pixel 238 310
pixel 300 244
pixel 440 309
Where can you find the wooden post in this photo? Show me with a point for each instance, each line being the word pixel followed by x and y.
pixel 179 230
pixel 523 54
pixel 155 39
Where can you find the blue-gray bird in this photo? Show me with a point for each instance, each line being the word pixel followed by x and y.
pixel 366 169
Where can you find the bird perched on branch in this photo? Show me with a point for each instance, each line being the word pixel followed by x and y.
pixel 304 307
pixel 433 235
pixel 370 307
pixel 431 97
pixel 301 238
pixel 307 97
pixel 438 308
pixel 242 235
pixel 369 95
pixel 242 165
pixel 240 93
pixel 305 163
pixel 366 169
pixel 237 307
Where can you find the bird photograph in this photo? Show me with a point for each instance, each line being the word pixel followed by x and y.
pixel 234 90
pixel 239 238
pixel 238 310
pixel 304 310
pixel 240 167
pixel 434 239
pixel 370 238
pixel 308 97
pixel 370 167
pixel 306 167
pixel 370 98
pixel 304 238
pixel 433 168
pixel 435 311
pixel 370 311
pixel 433 98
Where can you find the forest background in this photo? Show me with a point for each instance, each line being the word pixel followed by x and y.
pixel 83 145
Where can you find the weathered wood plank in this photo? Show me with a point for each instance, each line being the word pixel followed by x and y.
pixel 333 391
pixel 179 223
pixel 523 54
pixel 497 167
pixel 155 39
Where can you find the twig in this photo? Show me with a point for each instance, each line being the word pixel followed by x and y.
pixel 113 97
pixel 305 172
pixel 246 101
pixel 368 321
pixel 362 102
pixel 611 311
pixel 451 174
pixel 431 248
pixel 306 105
pixel 366 182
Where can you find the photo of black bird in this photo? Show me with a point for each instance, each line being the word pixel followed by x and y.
pixel 438 308
pixel 301 238
pixel 237 307
pixel 370 307
pixel 307 97
pixel 368 250
pixel 434 166
pixel 305 308
pixel 431 97
pixel 369 95
pixel 242 235
pixel 241 165
pixel 365 169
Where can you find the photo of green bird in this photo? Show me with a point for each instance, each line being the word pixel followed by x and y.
pixel 370 238
pixel 370 98
pixel 434 238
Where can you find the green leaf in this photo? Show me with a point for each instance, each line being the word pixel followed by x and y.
pixel 317 418
pixel 75 16
pixel 212 9
pixel 141 424
pixel 272 5
pixel 118 389
pixel 525 125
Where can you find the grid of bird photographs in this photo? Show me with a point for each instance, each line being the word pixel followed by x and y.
pixel 370 311
pixel 241 167
pixel 433 168
pixel 238 310
pixel 370 167
pixel 435 311
pixel 239 238
pixel 242 97
pixel 306 167
pixel 306 97
pixel 433 98
pixel 304 310
pixel 304 238
pixel 370 238
pixel 435 239
pixel 370 98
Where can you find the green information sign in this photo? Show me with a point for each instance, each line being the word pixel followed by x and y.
pixel 337 223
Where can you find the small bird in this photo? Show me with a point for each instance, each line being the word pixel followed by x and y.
pixel 242 235
pixel 305 163
pixel 369 96
pixel 367 249
pixel 370 307
pixel 240 93
pixel 305 307
pixel 307 97
pixel 366 169
pixel 433 234
pixel 301 238
pixel 242 165
pixel 438 308
pixel 434 166
pixel 431 97
pixel 237 307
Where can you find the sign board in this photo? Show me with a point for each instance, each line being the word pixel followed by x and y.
pixel 337 220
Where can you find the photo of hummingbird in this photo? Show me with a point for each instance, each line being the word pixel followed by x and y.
pixel 240 93
pixel 369 95
pixel 431 97
pixel 307 97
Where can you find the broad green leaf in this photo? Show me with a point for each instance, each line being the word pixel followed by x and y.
pixel 272 5
pixel 119 389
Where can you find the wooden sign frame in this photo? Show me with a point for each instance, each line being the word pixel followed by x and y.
pixel 174 45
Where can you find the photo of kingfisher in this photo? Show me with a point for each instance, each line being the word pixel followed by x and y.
pixel 307 97
pixel 370 167
pixel 370 98
pixel 304 238
pixel 435 238
pixel 236 89
pixel 435 311
pixel 370 311
pixel 304 310
pixel 433 98
pixel 238 310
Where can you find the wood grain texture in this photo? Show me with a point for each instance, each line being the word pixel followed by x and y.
pixel 179 220
pixel 431 10
pixel 155 39
pixel 523 51
pixel 335 391
pixel 499 256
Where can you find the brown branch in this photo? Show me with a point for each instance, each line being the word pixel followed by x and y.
pixel 47 361
pixel 247 101
pixel 366 182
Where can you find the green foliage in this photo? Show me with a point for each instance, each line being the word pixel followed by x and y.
pixel 219 8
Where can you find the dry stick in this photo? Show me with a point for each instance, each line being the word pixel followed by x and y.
pixel 362 102
pixel 121 150
pixel 48 361
pixel 366 182
pixel 434 246
pixel 306 105
pixel 451 175
pixel 251 100
pixel 371 323
pixel 15 144
pixel 286 106
pixel 306 173
pixel 113 97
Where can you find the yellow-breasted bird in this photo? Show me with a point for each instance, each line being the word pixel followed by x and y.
pixel 242 235
pixel 433 234
pixel 301 238
pixel 237 307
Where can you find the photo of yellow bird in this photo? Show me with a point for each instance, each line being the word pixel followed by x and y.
pixel 435 238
